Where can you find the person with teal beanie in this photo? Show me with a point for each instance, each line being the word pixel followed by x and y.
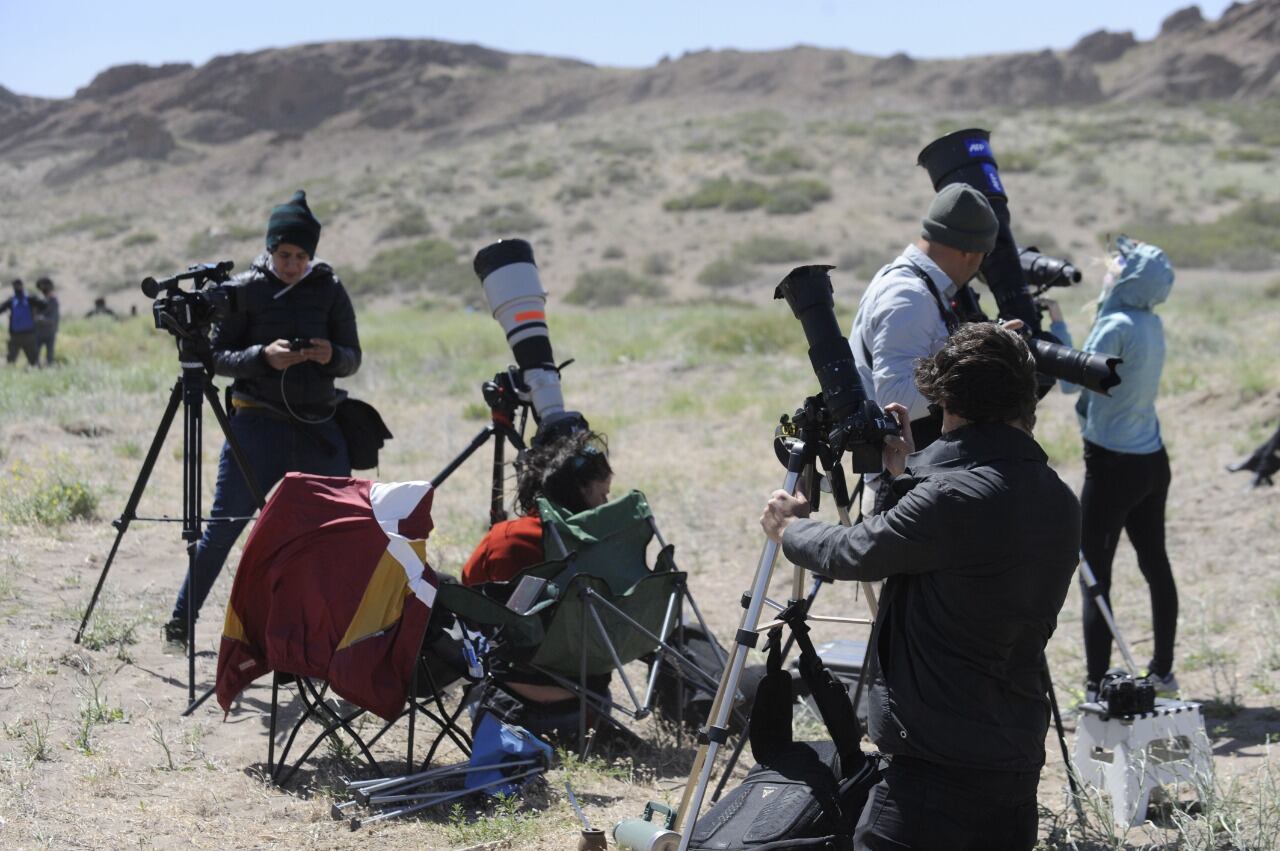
pixel 1127 471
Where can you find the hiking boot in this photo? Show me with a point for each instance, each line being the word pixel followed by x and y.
pixel 1166 686
pixel 175 636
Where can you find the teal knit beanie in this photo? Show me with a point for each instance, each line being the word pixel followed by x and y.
pixel 294 223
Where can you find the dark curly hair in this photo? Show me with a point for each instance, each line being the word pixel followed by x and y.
pixel 983 373
pixel 560 469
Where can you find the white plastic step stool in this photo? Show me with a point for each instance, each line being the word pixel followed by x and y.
pixel 1130 756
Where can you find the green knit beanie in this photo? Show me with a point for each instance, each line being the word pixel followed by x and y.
pixel 961 217
pixel 294 223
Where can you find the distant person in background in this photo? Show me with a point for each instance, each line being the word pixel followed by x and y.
pixel 283 399
pixel 47 322
pixel 22 310
pixel 1127 474
pixel 100 309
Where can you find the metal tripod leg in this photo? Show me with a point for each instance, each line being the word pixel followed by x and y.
pixel 744 640
pixel 135 496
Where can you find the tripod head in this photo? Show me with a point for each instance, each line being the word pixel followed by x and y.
pixel 503 395
pixel 810 429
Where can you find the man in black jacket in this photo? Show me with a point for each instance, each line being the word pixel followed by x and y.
pixel 978 546
pixel 297 335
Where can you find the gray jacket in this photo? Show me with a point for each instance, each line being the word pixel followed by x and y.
pixel 978 552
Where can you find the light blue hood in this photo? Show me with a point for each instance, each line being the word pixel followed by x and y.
pixel 1144 282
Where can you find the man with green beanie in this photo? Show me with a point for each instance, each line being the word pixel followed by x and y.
pixel 906 313
pixel 296 334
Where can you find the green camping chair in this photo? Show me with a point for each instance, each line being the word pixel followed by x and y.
pixel 601 608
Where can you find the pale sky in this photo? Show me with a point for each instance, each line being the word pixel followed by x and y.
pixel 52 47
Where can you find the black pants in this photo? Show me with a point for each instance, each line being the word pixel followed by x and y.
pixel 923 806
pixel 1127 492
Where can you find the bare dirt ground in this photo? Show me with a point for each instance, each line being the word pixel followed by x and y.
pixel 94 753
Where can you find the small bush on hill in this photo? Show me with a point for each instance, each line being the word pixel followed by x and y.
pixel 781 161
pixel 496 221
pixel 725 272
pixel 429 263
pixel 410 221
pixel 610 286
pixel 784 197
pixel 1247 238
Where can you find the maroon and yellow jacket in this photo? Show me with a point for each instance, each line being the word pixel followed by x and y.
pixel 333 584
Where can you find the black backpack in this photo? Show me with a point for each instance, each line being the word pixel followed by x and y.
pixel 799 794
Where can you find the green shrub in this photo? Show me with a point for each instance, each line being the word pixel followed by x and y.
pixel 613 252
pixel 497 221
pixel 1247 238
pixel 725 272
pixel 430 263
pixel 781 161
pixel 98 224
pixel 573 192
pixel 786 196
pixel 610 286
pixel 797 196
pixel 762 249
pixel 1243 155
pixel 1014 162
pixel 536 170
pixel 45 496
pixel 411 221
pixel 616 147
pixel 141 238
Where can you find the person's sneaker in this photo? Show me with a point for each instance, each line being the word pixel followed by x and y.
pixel 175 636
pixel 1166 686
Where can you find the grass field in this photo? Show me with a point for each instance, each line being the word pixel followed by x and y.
pixel 94 753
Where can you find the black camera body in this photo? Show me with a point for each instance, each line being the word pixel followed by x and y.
pixel 850 421
pixel 1124 695
pixel 183 312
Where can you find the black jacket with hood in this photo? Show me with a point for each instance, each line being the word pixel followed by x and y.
pixel 317 306
pixel 978 552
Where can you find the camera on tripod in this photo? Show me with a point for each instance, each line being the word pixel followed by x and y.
pixel 182 312
pixel 846 418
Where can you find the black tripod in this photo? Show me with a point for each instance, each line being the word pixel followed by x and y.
pixel 503 401
pixel 190 390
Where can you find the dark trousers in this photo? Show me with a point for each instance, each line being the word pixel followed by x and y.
pixel 272 447
pixel 1127 493
pixel 44 343
pixel 923 806
pixel 25 342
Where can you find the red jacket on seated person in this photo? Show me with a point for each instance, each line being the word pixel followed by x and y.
pixel 506 549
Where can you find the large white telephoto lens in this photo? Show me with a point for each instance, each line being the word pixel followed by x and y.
pixel 518 301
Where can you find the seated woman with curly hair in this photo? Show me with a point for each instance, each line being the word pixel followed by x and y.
pixel 573 473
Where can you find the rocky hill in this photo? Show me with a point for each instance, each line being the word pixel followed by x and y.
pixel 706 174
pixel 445 90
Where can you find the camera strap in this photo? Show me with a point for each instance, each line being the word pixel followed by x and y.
pixel 949 317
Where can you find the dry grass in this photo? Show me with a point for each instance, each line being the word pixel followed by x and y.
pixel 94 737
pixel 94 752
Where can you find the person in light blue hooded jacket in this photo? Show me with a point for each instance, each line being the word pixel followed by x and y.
pixel 1126 467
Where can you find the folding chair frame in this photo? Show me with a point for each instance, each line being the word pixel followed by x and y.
pixel 315 704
